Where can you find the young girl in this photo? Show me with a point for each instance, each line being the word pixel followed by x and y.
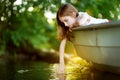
pixel 68 17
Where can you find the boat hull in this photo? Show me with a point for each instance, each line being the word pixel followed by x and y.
pixel 99 45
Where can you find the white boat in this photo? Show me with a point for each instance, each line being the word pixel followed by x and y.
pixel 99 44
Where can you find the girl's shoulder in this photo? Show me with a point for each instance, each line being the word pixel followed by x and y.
pixel 82 12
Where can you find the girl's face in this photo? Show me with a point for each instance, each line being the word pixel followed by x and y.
pixel 68 21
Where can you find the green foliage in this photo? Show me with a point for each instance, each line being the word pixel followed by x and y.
pixel 31 26
pixel 100 8
pixel 22 24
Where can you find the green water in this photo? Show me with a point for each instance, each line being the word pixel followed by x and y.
pixel 39 70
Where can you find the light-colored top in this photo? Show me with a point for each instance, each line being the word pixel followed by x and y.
pixel 85 19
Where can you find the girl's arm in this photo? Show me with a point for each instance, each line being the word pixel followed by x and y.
pixel 61 55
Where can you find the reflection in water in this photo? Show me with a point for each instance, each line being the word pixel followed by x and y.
pixel 76 71
pixel 37 70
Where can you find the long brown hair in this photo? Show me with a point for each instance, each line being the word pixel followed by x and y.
pixel 64 10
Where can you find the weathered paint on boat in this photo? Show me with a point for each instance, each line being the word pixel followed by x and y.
pixel 99 44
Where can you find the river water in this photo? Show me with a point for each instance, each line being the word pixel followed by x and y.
pixel 40 70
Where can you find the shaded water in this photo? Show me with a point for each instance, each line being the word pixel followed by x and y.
pixel 38 70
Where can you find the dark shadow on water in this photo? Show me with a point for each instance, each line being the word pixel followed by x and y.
pixel 100 75
pixel 24 70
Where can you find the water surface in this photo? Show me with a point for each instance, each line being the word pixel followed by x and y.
pixel 40 70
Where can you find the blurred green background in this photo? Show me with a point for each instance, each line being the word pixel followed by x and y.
pixel 27 25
